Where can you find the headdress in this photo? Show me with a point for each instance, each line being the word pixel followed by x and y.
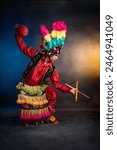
pixel 53 41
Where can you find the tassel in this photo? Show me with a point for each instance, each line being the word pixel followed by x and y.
pixel 44 30
pixel 59 25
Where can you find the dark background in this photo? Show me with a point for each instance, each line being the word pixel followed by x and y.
pixel 79 122
pixel 79 59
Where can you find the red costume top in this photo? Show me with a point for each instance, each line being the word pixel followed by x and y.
pixel 38 72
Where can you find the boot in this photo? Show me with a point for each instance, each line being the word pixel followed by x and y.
pixel 53 120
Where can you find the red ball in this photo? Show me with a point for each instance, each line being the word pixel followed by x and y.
pixel 22 30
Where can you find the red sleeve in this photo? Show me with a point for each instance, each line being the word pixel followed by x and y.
pixel 29 51
pixel 56 82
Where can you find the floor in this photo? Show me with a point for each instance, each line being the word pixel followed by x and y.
pixel 77 130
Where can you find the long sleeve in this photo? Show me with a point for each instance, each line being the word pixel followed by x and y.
pixel 56 82
pixel 29 51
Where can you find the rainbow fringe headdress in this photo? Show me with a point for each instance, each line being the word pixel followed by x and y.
pixel 53 41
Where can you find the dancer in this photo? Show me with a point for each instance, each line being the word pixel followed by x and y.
pixel 37 98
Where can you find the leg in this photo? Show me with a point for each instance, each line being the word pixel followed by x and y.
pixel 51 96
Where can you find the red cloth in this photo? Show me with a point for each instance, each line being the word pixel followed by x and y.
pixel 51 96
pixel 38 72
pixel 29 51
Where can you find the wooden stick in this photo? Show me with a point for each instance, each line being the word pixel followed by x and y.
pixel 69 86
pixel 76 95
pixel 84 94
pixel 78 91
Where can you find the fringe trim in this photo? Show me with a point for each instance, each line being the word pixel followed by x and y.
pixel 32 100
pixel 58 34
pixel 34 114
pixel 32 90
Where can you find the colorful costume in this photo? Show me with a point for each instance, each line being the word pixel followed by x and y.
pixel 36 97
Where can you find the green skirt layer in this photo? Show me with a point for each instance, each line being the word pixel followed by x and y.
pixel 31 90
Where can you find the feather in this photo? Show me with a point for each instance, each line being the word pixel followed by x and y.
pixel 59 25
pixel 44 30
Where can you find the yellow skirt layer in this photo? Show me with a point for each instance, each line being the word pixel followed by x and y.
pixel 32 100
pixel 34 111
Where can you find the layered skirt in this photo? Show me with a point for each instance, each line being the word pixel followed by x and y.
pixel 33 103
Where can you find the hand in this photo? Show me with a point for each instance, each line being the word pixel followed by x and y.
pixel 73 90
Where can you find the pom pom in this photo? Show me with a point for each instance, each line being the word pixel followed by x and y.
pixel 59 25
pixel 22 30
pixel 42 47
pixel 62 25
pixel 44 30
